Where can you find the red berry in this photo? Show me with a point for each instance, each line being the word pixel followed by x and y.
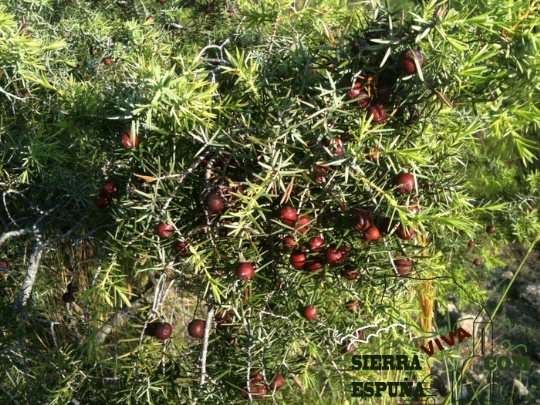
pixel 351 305
pixel 127 142
pixel 297 259
pixel 403 266
pixel 161 1
pixel 164 331
pixel 289 243
pixel 404 233
pixel 333 256
pixel 288 215
pixel 4 265
pixel 245 271
pixel 110 189
pixel 363 100
pixel 223 318
pixel 102 201
pixel 355 91
pixel 316 244
pixel 214 203
pixel 196 328
pixel 477 262
pixel 372 234
pixel 314 266
pixel 490 229
pixel 256 391
pixel 404 183
pixel 407 61
pixel 319 173
pixel 350 346
pixel 181 248
pixel 362 219
pixel 372 154
pixel 165 231
pixel 277 382
pixel 349 273
pixel 338 149
pixel 107 61
pixel 309 313
pixel 303 223
pixel 377 112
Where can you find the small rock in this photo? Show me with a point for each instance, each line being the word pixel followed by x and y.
pixel 507 275
pixel 522 390
pixel 466 321
pixel 531 294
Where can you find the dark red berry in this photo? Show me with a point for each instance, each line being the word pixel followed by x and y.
pixel 309 313
pixel 351 305
pixel 372 154
pixel 102 201
pixel 288 215
pixel 333 256
pixel 255 390
pixel 303 223
pixel 319 173
pixel 377 112
pixel 277 382
pixel 349 272
pixel 127 142
pixel 403 266
pixel 490 229
pixel 338 148
pixel 165 231
pixel 196 328
pixel 361 219
pixel 297 259
pixel 110 189
pixel 289 243
pixel 316 244
pixel 245 271
pixel 182 249
pixel 107 61
pixel 477 262
pixel 372 234
pixel 164 331
pixel 363 100
pixel 404 233
pixel 355 91
pixel 223 318
pixel 214 203
pixel 314 266
pixel 407 61
pixel 404 183
pixel 4 265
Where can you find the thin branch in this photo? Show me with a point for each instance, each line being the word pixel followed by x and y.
pixel 204 352
pixel 13 234
pixel 121 316
pixel 31 272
